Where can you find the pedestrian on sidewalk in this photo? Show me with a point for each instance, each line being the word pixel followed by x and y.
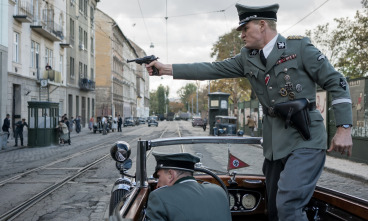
pixel 6 124
pixel 91 121
pixel 120 122
pixel 251 124
pixel 77 124
pixel 71 124
pixel 19 131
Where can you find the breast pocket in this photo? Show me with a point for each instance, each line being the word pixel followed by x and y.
pixel 287 67
pixel 256 79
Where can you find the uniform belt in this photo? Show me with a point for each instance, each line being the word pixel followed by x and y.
pixel 269 111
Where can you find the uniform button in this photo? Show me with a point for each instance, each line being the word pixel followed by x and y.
pixel 270 88
pixel 273 101
pixel 285 69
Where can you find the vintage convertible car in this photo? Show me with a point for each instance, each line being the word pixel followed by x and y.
pixel 245 188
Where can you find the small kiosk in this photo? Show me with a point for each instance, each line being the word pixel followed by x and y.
pixel 218 106
pixel 43 118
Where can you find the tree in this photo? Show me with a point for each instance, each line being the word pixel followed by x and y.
pixel 346 46
pixel 159 100
pixel 186 92
pixel 238 88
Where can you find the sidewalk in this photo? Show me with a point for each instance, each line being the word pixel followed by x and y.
pixel 11 140
pixel 344 167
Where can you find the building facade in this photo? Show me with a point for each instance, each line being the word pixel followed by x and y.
pixel 40 46
pixel 80 59
pixel 120 90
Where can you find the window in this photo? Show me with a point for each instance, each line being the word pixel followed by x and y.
pixel 80 35
pixel 92 48
pixel 80 5
pixel 61 65
pixel 49 54
pixel 35 53
pixel 80 70
pixel 71 67
pixel 16 47
pixel 85 7
pixel 92 15
pixel 92 74
pixel 72 31
pixel 85 71
pixel 85 40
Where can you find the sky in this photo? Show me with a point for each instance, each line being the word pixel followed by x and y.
pixel 184 31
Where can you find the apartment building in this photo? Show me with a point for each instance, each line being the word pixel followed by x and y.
pixel 80 59
pixel 44 36
pixel 120 87
pixel 3 57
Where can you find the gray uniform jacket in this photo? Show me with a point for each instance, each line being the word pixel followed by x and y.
pixel 188 200
pixel 294 65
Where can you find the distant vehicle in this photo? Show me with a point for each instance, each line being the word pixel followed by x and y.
pixel 99 126
pixel 170 116
pixel 197 121
pixel 225 126
pixel 142 120
pixel 129 121
pixel 184 116
pixel 177 117
pixel 152 121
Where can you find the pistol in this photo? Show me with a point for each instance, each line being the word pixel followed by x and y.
pixel 146 60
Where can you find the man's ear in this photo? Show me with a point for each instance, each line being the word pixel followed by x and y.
pixel 172 175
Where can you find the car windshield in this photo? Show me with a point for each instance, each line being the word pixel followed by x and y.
pixel 248 159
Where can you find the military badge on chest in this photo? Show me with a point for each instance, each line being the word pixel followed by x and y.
pixel 289 89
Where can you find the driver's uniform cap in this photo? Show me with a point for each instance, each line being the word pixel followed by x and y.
pixel 249 13
pixel 176 161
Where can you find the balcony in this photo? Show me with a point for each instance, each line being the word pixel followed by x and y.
pixel 23 12
pixel 66 43
pixel 47 27
pixel 52 76
pixel 86 84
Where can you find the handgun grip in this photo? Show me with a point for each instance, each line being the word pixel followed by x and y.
pixel 154 71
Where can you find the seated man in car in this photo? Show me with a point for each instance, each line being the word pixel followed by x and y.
pixel 180 197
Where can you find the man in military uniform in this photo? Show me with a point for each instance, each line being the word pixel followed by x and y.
pixel 283 72
pixel 180 197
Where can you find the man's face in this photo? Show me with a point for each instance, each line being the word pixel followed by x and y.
pixel 252 35
pixel 164 178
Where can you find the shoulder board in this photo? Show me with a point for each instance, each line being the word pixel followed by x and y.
pixel 295 37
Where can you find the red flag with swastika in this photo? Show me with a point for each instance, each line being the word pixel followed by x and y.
pixel 235 163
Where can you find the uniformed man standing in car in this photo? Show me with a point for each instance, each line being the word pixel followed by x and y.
pixel 283 70
pixel 180 197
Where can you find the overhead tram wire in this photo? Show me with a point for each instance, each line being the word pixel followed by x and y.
pixel 144 21
pixel 305 16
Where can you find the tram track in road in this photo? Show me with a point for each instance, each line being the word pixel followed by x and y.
pixel 25 205
pixel 162 134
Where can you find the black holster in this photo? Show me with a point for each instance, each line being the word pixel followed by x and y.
pixel 296 114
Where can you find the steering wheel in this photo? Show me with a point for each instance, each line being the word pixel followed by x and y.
pixel 222 184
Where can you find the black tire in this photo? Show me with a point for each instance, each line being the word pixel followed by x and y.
pixel 115 199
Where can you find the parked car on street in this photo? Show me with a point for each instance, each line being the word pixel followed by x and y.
pixel 225 126
pixel 129 121
pixel 197 121
pixel 142 120
pixel 152 120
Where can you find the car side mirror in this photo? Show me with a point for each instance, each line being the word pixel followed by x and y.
pixel 120 151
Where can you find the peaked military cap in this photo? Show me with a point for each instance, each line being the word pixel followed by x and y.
pixel 177 161
pixel 249 13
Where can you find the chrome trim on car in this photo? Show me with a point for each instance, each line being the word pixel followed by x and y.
pixel 196 140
